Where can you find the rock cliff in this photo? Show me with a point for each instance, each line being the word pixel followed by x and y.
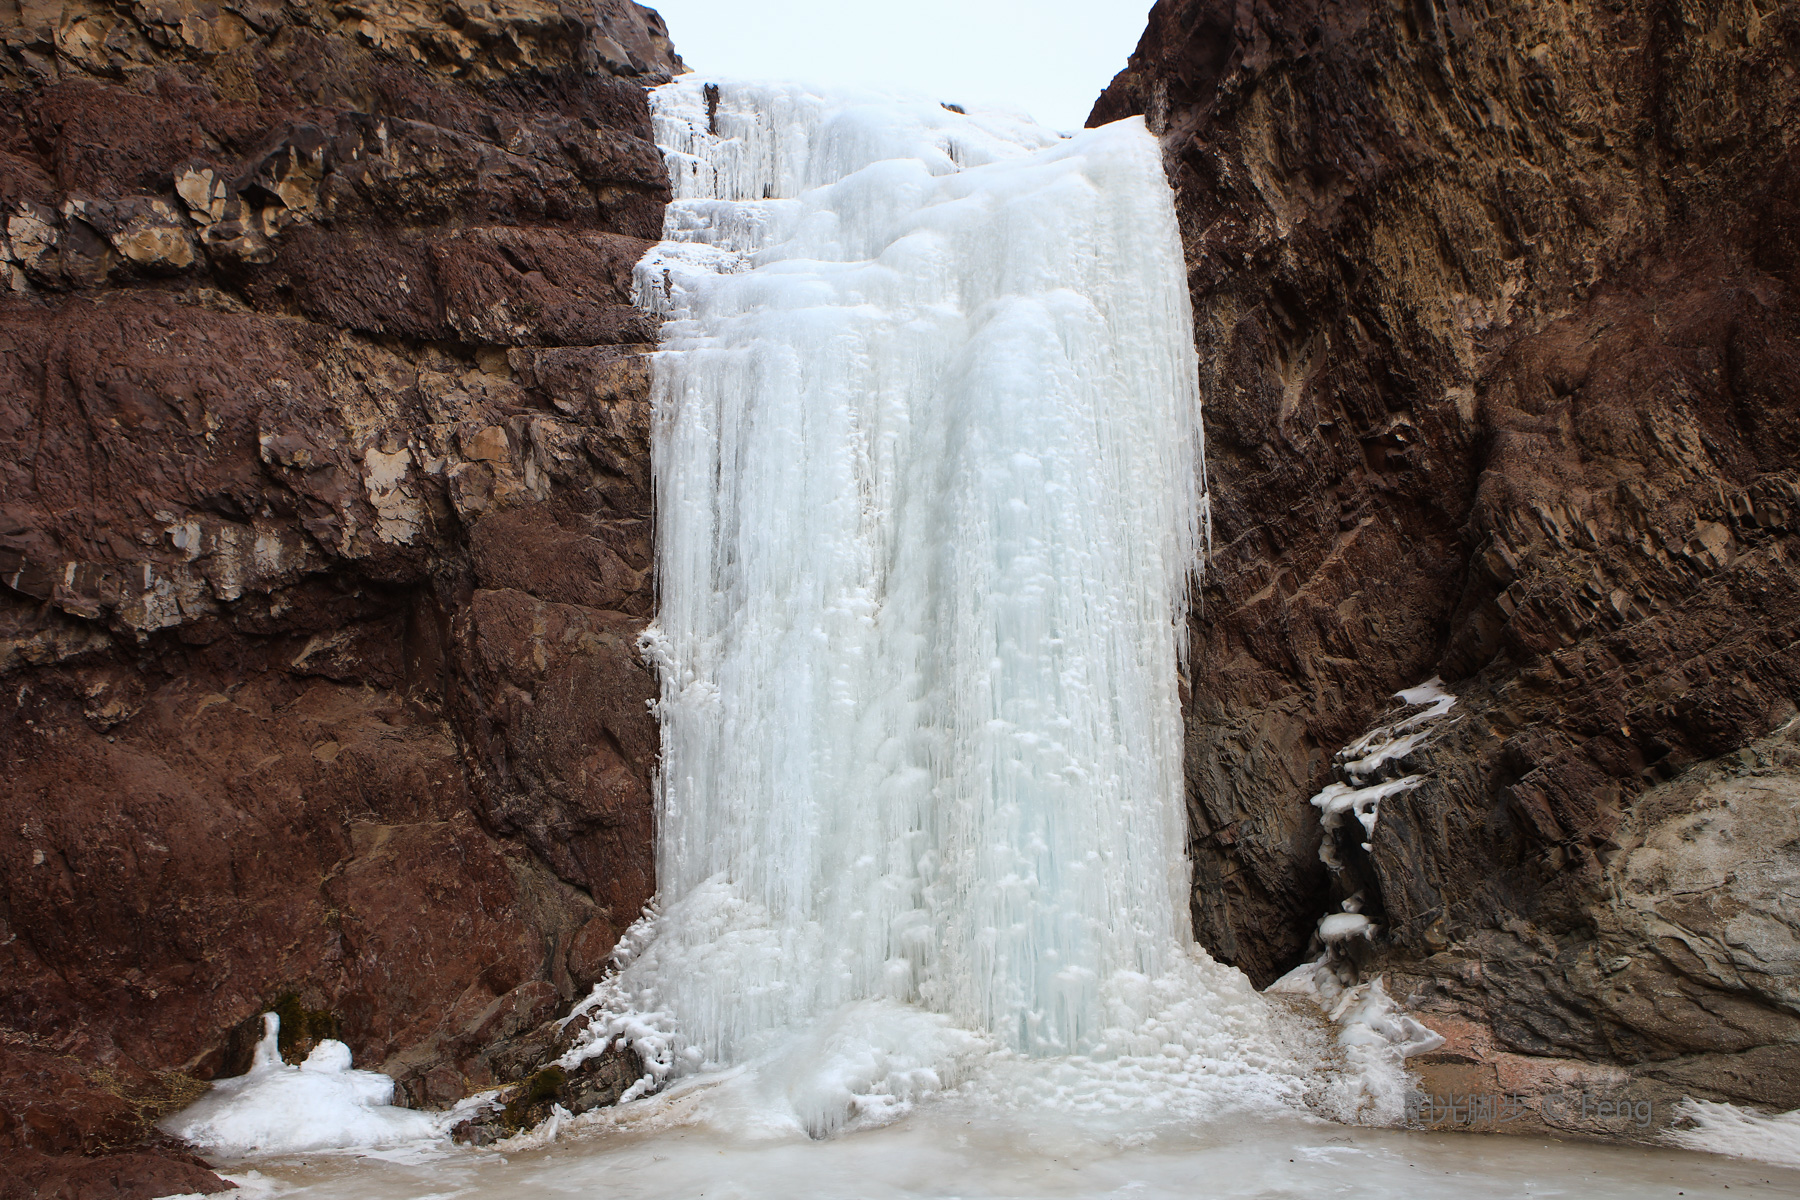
pixel 324 536
pixel 1500 330
pixel 324 527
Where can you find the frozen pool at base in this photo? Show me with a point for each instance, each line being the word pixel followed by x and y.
pixel 939 1152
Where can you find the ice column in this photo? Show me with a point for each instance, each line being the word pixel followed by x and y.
pixel 929 495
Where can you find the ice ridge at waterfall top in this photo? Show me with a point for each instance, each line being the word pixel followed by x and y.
pixel 930 496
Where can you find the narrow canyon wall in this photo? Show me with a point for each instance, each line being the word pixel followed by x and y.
pixel 324 536
pixel 1499 312
pixel 324 525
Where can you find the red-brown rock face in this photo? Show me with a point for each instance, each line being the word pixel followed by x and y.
pixel 324 538
pixel 1499 309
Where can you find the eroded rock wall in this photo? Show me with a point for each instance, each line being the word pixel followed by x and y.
pixel 1498 313
pixel 324 536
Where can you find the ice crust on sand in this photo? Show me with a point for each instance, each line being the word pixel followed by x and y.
pixel 1740 1132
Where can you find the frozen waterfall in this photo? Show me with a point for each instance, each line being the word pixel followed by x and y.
pixel 929 498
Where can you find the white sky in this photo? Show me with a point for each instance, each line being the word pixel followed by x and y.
pixel 1051 58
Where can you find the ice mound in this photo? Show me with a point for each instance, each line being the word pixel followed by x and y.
pixel 322 1104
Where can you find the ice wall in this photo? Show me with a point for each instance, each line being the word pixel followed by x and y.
pixel 929 495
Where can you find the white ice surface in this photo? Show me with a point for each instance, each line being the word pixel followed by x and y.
pixel 1341 927
pixel 1740 1132
pixel 1430 693
pixel 927 449
pixel 954 1149
pixel 322 1104
pixel 1364 803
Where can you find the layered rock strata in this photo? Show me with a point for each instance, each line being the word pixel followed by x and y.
pixel 1498 313
pixel 324 536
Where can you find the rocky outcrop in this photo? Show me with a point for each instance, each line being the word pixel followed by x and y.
pixel 596 1082
pixel 1685 982
pixel 324 539
pixel 1497 311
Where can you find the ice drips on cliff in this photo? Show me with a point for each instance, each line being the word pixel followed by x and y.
pixel 930 493
pixel 1375 1035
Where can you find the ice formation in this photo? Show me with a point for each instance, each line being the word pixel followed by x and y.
pixel 1361 801
pixel 1390 743
pixel 929 496
pixel 322 1104
pixel 1740 1132
pixel 1374 1033
pixel 1362 789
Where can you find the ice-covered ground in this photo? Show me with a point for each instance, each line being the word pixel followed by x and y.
pixel 1014 1127
pixel 949 1151
pixel 1740 1132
